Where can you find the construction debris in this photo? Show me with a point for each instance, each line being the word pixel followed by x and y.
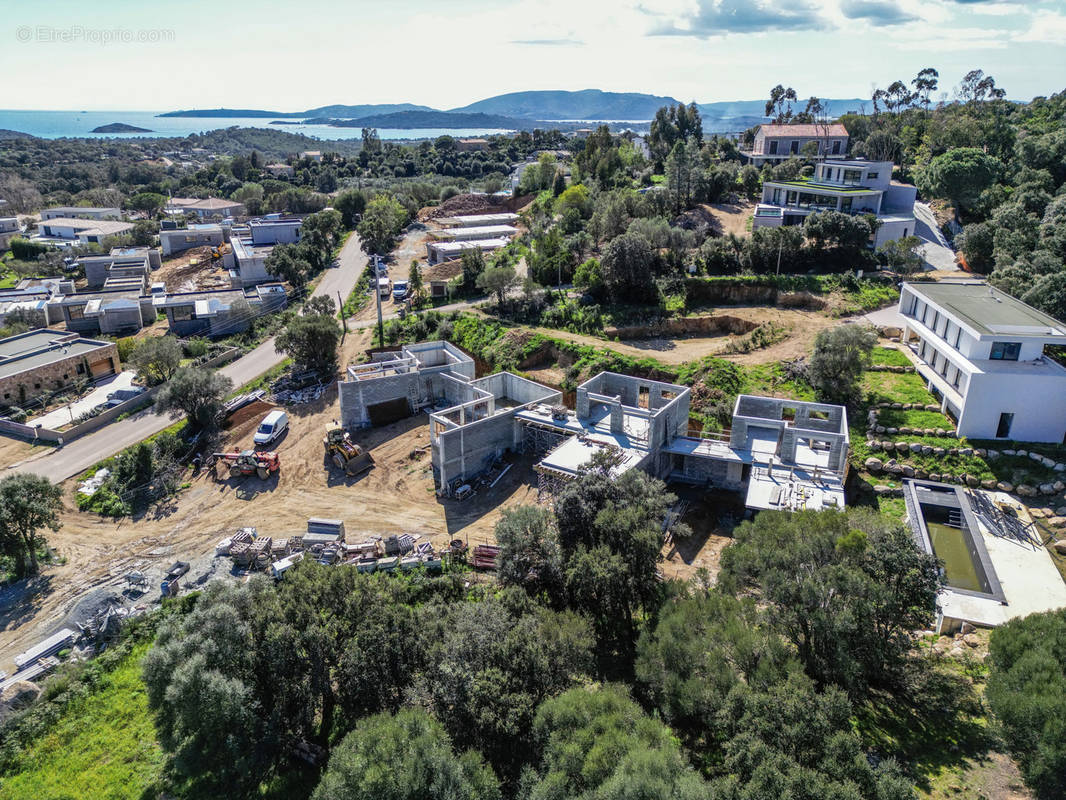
pixel 486 556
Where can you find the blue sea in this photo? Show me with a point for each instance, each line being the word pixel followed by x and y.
pixel 57 124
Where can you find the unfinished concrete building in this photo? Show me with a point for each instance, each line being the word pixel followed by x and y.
pixel 782 454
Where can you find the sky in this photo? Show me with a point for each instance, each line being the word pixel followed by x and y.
pixel 291 56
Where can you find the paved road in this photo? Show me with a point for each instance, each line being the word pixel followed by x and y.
pixel 65 462
pixel 935 250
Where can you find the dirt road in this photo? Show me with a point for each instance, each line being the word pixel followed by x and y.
pixel 396 496
pixel 71 459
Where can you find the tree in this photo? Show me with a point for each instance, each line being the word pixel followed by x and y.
pixel 29 503
pixel 845 588
pixel 196 392
pixel 156 359
pixel 960 175
pixel 750 180
pixel 976 87
pixel 840 357
pixel 627 268
pixel 149 202
pixel 598 743
pixel 925 84
pixel 977 244
pixel 311 340
pixel 382 223
pixel 498 281
pixel 902 255
pixel 837 230
pixel 351 204
pixel 1027 692
pixel 404 757
pixel 473 263
pixel 286 262
pixel 414 280
pixel 679 177
pixel 530 556
pixel 1049 295
pixel 779 106
pixel 144 232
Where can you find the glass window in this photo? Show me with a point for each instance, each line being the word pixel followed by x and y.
pixel 958 336
pixel 836 147
pixel 773 147
pixel 936 320
pixel 872 176
pixel 1003 429
pixel 181 313
pixel 1005 351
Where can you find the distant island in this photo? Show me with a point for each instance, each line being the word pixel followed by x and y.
pixel 9 134
pixel 120 127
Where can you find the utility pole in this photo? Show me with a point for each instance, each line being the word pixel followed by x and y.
pixel 780 244
pixel 344 322
pixel 377 295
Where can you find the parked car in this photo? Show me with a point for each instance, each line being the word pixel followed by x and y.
pixel 399 290
pixel 273 425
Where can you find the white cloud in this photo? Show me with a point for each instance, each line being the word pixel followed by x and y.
pixel 1046 26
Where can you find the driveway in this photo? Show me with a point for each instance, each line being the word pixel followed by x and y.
pixel 69 413
pixel 935 250
pixel 69 460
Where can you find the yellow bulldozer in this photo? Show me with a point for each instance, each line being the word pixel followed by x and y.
pixel 343 452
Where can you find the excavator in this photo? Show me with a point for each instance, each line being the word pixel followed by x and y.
pixel 248 462
pixel 343 452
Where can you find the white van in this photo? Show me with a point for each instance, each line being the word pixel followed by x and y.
pixel 273 425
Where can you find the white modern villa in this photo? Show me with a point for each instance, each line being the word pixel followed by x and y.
pixel 982 352
pixel 853 187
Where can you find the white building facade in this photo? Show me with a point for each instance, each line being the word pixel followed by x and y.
pixel 851 187
pixel 982 352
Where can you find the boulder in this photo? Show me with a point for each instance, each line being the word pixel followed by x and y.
pixel 1059 468
pixel 1057 522
pixel 972 482
pixel 1060 511
pixel 1010 452
pixel 1025 490
pixel 927 449
pixel 891 431
pixel 950 435
pixel 1021 453
pixel 881 489
pixel 980 452
pixel 1048 462
pixel 934 476
pixel 932 407
pixel 874 445
pixel 939 451
pixel 967 628
pixel 908 471
pixel 930 431
pixel 894 469
pixel 880 429
pixel 873 464
pixel 916 447
pixel 1047 488
pixel 897 406
pixel 1060 547
pixel 921 474
pixel 972 640
pixel 989 484
pixel 953 451
pixel 906 431
pixel 940 432
pixel 966 451
pixel 1005 486
pixel 1059 486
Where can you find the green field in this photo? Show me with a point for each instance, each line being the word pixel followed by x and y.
pixel 911 418
pixel 896 387
pixel 889 357
pixel 103 746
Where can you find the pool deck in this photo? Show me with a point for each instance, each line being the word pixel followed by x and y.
pixel 1027 575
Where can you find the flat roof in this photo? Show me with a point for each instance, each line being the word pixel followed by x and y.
pixel 488 231
pixel 987 310
pixel 48 355
pixel 104 226
pixel 782 488
pixel 576 451
pixel 31 340
pixel 825 187
pixel 455 247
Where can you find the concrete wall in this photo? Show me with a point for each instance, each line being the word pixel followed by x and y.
pixel 186 238
pixel 1038 403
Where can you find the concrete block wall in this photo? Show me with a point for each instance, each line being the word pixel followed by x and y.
pixel 355 396
pixel 463 452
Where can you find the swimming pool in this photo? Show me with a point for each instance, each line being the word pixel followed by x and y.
pixel 952 546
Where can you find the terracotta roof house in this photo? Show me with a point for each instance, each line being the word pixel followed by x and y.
pixel 774 143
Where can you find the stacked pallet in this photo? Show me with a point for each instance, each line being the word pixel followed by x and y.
pixel 320 526
pixel 485 556
pixel 279 547
pixel 240 552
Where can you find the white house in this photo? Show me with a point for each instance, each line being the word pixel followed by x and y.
pixel 853 187
pixel 774 143
pixel 9 229
pixel 86 231
pixel 982 352
pixel 81 212
pixel 176 240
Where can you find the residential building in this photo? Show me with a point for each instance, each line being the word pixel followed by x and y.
pixel 982 352
pixel 114 312
pixel 477 220
pixel 436 252
pixel 280 170
pixel 178 240
pixel 80 212
pixel 43 361
pixel 85 231
pixel 314 155
pixel 220 312
pixel 275 230
pixel 774 143
pixel 207 208
pixel 471 234
pixel 468 145
pixel 9 229
pixel 851 187
pixel 123 267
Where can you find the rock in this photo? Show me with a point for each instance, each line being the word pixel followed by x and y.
pixel 873 464
pixel 897 406
pixel 954 451
pixel 1037 458
pixel 891 431
pixel 972 640
pixel 875 446
pixel 966 451
pixel 1057 522
pixel 908 471
pixel 930 432
pixel 905 431
pixel 927 450
pixel 993 454
pixel 1060 547
pixel 880 429
pixel 916 447
pixel 939 451
pixel 980 452
pixel 1037 512
pixel 1021 453
pixel 1047 488
pixel 921 474
pixel 894 469
pixel 950 435
pixel 972 481
pixel 1059 486
pixel 934 476
pixel 882 489
pixel 1059 468
pixel 956 652
pixel 1025 490
pixel 1060 511
pixel 967 628
pixel 932 407
pixel 940 432
pixel 1048 462
pixel 1005 486
pixel 989 484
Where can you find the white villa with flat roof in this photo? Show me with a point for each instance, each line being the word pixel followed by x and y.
pixel 852 187
pixel 982 352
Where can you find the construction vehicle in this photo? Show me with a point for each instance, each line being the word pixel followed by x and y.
pixel 248 462
pixel 343 452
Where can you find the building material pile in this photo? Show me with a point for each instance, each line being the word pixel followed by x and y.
pixel 486 556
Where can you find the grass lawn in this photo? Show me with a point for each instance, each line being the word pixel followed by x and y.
pixel 103 746
pixel 769 379
pixel 889 357
pixel 909 418
pixel 896 387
